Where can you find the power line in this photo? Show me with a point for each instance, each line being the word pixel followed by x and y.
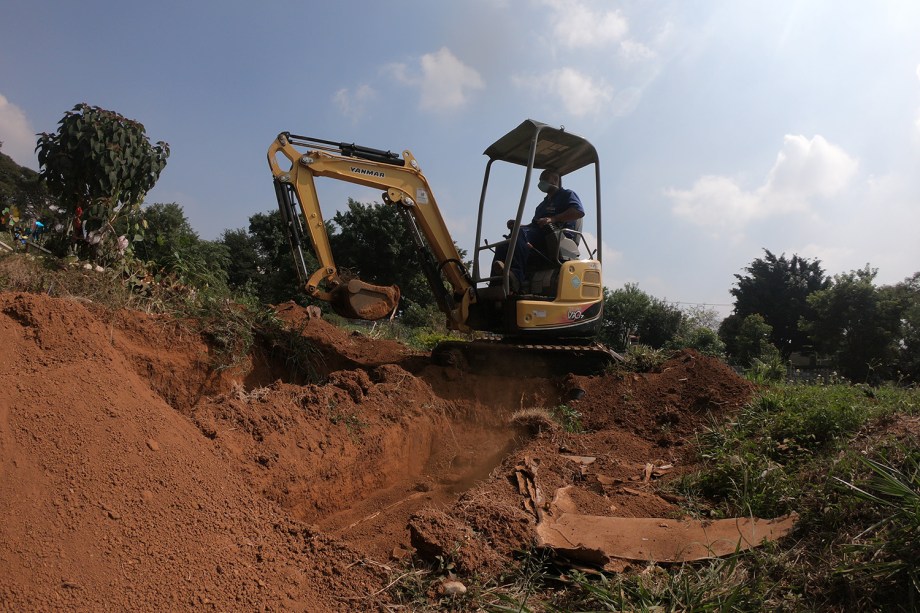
pixel 699 303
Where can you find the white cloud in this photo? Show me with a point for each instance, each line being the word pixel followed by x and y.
pixel 443 80
pixel 579 26
pixel 634 51
pixel 354 104
pixel 718 203
pixel 17 134
pixel 807 168
pixel 579 93
pixel 917 121
pixel 805 171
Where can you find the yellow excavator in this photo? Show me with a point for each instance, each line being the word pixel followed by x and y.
pixel 552 316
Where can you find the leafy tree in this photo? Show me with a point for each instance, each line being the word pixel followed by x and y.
pixel 908 295
pixel 243 269
pixel 632 314
pixel 202 265
pixel 100 165
pixel 24 198
pixel 858 323
pixel 752 341
pixel 171 246
pixel 777 288
pixel 372 241
pixel 261 261
pixel 697 330
pixel 168 232
pixel 22 188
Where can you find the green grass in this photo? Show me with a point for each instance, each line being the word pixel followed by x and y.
pixel 845 458
pixel 231 323
pixel 568 418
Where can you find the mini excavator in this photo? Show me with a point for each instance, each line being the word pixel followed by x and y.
pixel 551 317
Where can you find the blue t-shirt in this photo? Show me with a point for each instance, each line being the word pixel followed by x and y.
pixel 562 200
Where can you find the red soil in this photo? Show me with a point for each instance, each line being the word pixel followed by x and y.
pixel 133 477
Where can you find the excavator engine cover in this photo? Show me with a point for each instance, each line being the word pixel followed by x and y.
pixel 359 300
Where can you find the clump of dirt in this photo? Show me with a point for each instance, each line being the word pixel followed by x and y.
pixel 135 477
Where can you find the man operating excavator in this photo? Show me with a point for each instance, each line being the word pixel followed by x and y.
pixel 560 207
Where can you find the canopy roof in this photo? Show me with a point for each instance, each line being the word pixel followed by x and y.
pixel 562 151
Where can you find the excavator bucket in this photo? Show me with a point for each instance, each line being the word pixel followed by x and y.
pixel 359 300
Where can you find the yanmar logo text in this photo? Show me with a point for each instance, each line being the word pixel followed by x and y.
pixel 364 171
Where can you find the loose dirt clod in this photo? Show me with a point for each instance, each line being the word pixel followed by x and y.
pixel 277 495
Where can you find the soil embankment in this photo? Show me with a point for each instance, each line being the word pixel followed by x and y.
pixel 133 477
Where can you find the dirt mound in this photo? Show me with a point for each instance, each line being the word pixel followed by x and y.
pixel 113 500
pixel 134 477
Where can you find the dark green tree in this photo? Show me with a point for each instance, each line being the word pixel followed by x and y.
pixel 697 330
pixel 168 232
pixel 261 261
pixel 22 188
pixel 171 246
pixel 907 293
pixel 372 242
pixel 631 315
pixel 100 165
pixel 776 288
pixel 752 341
pixel 857 323
pixel 243 269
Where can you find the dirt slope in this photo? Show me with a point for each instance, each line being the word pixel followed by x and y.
pixel 131 477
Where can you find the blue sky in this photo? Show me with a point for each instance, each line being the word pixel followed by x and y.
pixel 723 127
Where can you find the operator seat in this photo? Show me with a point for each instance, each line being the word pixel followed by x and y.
pixel 561 245
pixel 568 242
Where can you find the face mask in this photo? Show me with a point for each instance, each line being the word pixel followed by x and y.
pixel 544 186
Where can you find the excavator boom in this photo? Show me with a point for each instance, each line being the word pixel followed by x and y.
pixel 405 187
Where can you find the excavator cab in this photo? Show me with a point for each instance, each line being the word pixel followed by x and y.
pixel 562 294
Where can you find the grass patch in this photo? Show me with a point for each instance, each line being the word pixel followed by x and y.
pixel 845 458
pixel 231 323
pixel 568 418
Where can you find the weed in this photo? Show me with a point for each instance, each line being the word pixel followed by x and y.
pixel 883 557
pixel 352 422
pixel 642 358
pixel 569 418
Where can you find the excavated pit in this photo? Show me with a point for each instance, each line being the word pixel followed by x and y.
pixel 134 477
pixel 358 455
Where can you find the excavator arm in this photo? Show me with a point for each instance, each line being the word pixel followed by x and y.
pixel 405 188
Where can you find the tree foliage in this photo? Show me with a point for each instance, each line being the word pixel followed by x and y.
pixel 100 165
pixel 372 242
pixel 859 324
pixel 777 289
pixel 261 261
pixel 171 246
pixel 631 315
pixel 22 188
pixel 24 200
pixel 907 294
pixel 168 232
pixel 697 330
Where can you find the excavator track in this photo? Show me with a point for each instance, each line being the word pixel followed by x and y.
pixel 519 359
